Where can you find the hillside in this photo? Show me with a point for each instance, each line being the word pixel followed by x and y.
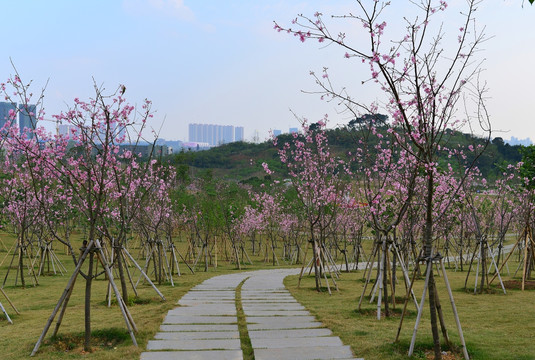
pixel 242 161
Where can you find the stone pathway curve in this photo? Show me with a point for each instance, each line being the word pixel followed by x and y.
pixel 204 326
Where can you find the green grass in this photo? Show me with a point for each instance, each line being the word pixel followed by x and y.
pixel 495 326
pixel 246 347
pixel 110 339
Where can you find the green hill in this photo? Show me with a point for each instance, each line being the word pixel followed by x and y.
pixel 241 161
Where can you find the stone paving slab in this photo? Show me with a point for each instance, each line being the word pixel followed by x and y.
pixel 206 344
pixel 296 342
pixel 184 319
pixel 209 298
pixel 262 301
pixel 278 313
pixel 203 327
pixel 271 297
pixel 196 335
pixel 196 302
pixel 305 353
pixel 193 355
pixel 199 295
pixel 284 325
pixel 212 287
pixel 266 295
pixel 274 300
pixel 289 333
pixel 210 292
pixel 269 320
pixel 266 291
pixel 272 306
pixel 205 309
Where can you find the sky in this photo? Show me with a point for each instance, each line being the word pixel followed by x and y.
pixel 221 62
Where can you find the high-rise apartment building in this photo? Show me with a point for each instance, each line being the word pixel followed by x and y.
pixel 27 118
pixel 26 114
pixel 214 134
pixel 238 133
pixel 228 134
pixel 5 107
pixel 65 129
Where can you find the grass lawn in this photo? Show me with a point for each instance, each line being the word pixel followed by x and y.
pixel 110 337
pixel 495 326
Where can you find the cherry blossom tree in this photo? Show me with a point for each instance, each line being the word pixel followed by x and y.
pixel 519 184
pixel 317 177
pixel 88 168
pixel 272 214
pixel 424 79
pixel 387 174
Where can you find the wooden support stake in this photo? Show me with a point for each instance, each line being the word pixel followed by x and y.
pixel 145 275
pixel 420 309
pixel 63 296
pixel 6 314
pixel 458 322
pixel 303 267
pixel 122 306
pixel 9 301
pixel 407 301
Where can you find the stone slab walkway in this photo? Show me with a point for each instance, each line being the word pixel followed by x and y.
pixel 204 326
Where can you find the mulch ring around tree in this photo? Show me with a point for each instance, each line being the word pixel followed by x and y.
pixel 102 339
pixel 517 284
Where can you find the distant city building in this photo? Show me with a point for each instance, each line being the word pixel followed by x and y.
pixel 146 150
pixel 516 141
pixel 228 134
pixel 176 145
pixel 67 130
pixel 276 132
pixel 192 145
pixel 27 118
pixel 239 133
pixel 214 134
pixel 293 130
pixel 4 112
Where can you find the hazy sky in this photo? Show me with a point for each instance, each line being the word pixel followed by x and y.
pixel 221 62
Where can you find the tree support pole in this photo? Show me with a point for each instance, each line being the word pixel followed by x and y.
pixel 70 284
pixel 9 301
pixel 407 301
pixel 145 275
pixel 420 309
pixel 128 320
pixel 457 321
pixel 303 267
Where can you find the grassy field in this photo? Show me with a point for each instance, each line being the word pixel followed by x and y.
pixel 110 337
pixel 496 326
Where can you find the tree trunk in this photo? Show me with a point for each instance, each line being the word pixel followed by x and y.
pixel 385 276
pixel 428 244
pixel 120 264
pixel 315 262
pixel 483 249
pixel 88 282
pixel 21 262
